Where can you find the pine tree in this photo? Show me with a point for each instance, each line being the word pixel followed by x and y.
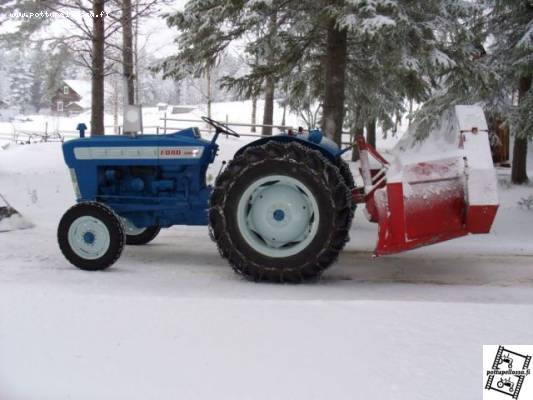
pixel 38 75
pixel 511 24
pixel 407 51
pixel 21 79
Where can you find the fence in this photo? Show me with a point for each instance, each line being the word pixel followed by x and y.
pixel 27 136
pixel 348 139
pixel 34 136
pixel 200 122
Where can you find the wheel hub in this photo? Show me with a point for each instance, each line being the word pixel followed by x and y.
pixel 278 216
pixel 89 237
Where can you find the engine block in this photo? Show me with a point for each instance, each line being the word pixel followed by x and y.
pixel 148 179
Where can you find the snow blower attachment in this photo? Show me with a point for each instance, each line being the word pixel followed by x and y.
pixel 445 188
pixel 11 219
pixel 282 208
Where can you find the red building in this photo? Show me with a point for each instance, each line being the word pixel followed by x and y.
pixel 72 97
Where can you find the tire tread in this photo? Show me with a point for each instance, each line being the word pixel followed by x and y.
pixel 324 172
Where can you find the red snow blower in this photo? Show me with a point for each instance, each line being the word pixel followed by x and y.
pixel 452 194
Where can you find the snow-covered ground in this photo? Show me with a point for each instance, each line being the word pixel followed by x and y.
pixel 171 320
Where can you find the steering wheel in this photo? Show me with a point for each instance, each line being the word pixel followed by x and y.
pixel 220 127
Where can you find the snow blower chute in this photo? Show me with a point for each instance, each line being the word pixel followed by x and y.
pixel 442 188
pixel 10 218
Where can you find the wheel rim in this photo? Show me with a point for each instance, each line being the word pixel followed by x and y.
pixel 278 216
pixel 89 238
pixel 130 229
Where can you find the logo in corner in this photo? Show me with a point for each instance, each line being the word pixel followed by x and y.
pixel 510 368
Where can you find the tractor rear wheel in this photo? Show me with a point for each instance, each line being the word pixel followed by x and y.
pixel 344 169
pixel 91 236
pixel 280 212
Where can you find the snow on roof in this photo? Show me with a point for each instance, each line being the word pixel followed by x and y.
pixel 178 109
pixel 83 88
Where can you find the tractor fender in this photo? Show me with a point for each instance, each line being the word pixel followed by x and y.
pixel 314 140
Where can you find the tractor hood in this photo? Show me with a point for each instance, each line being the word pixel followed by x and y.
pixel 184 146
pixel 314 139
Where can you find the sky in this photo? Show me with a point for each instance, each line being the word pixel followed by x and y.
pixel 155 35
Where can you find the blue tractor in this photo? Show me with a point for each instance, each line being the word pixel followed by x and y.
pixel 280 211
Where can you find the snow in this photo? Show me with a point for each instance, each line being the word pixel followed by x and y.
pixel 171 319
pixel 15 221
pixel 443 142
pixel 450 150
pixel 441 59
pixel 470 117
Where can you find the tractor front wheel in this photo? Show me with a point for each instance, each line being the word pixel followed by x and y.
pixel 280 212
pixel 91 236
pixel 139 236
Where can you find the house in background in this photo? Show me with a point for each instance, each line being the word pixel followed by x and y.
pixel 72 97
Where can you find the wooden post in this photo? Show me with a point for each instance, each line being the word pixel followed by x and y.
pixel 254 112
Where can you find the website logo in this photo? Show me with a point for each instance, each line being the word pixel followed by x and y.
pixel 506 377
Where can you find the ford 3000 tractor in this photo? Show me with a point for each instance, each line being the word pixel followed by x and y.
pixel 282 208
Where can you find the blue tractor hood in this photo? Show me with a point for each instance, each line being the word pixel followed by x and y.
pixel 121 149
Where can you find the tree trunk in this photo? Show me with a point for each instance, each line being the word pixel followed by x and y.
pixel 268 111
pixel 371 132
pixel 127 51
pixel 283 119
pixel 209 92
pixel 519 168
pixel 115 106
pixel 97 69
pixel 410 117
pixel 136 55
pixel 333 115
pixel 254 112
pixel 358 130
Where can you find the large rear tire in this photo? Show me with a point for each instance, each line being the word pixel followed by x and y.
pixel 91 236
pixel 344 169
pixel 280 212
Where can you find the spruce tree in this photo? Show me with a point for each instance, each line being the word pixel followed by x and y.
pixel 511 25
pixel 38 76
pixel 21 79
